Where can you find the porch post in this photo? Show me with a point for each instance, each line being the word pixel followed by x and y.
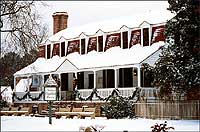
pixel 139 75
pixel 95 80
pixel 116 78
pixel 76 75
pixel 14 83
pixel 59 76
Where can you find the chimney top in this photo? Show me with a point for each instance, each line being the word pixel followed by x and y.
pixel 60 13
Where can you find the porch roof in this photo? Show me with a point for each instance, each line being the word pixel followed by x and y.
pixel 46 66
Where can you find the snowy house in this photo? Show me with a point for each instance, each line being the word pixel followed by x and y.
pixel 103 56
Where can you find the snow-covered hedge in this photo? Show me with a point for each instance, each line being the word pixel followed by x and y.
pixel 119 107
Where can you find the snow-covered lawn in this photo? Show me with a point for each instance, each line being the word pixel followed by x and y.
pixel 23 123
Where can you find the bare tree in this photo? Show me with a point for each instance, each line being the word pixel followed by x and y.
pixel 20 26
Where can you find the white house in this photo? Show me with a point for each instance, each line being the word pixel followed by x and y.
pixel 102 56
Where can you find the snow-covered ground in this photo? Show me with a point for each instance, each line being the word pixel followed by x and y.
pixel 23 123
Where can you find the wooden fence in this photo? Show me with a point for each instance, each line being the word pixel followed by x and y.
pixel 169 110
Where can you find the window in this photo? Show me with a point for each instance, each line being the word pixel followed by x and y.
pixel 145 36
pixel 100 42
pixel 109 78
pixel 62 49
pixel 48 51
pixel 125 40
pixel 125 77
pixel 82 46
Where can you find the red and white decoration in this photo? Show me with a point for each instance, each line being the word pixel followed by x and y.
pixel 92 44
pixel 158 34
pixel 113 40
pixel 41 51
pixel 73 46
pixel 135 37
pixel 56 49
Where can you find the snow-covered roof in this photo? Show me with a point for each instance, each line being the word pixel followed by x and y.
pixel 42 65
pixel 114 56
pixel 130 21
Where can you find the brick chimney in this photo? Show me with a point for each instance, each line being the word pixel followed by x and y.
pixel 59 21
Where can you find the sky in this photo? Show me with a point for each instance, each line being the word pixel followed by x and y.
pixel 84 12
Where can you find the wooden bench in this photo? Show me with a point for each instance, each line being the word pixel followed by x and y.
pixel 62 112
pixel 88 112
pixel 14 111
pixel 8 111
pixel 79 112
pixel 69 114
pixel 23 111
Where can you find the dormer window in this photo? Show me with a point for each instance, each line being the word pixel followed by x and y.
pixel 82 46
pixel 48 51
pixel 100 42
pixel 125 40
pixel 62 49
pixel 145 36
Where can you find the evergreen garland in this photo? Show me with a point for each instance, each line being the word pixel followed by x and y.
pixel 114 93
pixel 27 95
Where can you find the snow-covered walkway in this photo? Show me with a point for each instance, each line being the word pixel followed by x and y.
pixel 22 123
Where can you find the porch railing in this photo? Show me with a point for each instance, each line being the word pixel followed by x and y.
pixel 105 92
pixel 149 93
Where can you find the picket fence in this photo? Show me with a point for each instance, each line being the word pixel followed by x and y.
pixel 169 110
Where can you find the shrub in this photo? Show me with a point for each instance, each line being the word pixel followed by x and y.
pixel 118 107
pixel 3 104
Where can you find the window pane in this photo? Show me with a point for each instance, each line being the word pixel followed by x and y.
pixel 145 36
pixel 125 40
pixel 100 41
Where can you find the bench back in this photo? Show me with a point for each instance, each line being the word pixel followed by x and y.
pixel 89 109
pixel 67 109
pixel 24 109
pixel 5 109
pixel 14 109
pixel 77 109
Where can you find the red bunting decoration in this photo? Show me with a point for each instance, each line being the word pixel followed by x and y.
pixel 56 49
pixel 158 34
pixel 135 37
pixel 92 44
pixel 113 40
pixel 73 46
pixel 41 51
